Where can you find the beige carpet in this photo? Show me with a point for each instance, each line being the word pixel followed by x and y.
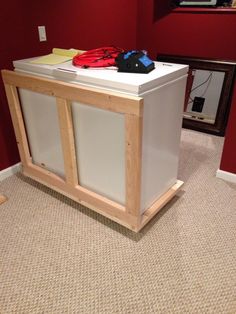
pixel 58 257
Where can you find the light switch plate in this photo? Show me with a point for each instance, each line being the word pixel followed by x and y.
pixel 42 33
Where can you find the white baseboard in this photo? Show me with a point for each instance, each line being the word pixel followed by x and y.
pixel 227 176
pixel 10 171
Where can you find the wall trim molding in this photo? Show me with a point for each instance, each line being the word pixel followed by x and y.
pixel 5 173
pixel 227 176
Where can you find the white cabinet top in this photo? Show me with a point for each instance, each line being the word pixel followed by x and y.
pixel 108 78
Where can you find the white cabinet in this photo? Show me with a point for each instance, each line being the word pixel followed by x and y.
pixel 109 140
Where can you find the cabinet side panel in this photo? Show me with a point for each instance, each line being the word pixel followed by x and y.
pixel 42 125
pixel 163 111
pixel 100 150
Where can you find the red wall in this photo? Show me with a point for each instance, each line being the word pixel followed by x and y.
pixel 193 34
pixel 204 35
pixel 228 160
pixel 14 32
pixel 86 24
pixel 82 24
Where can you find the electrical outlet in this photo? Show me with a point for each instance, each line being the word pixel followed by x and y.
pixel 198 103
pixel 42 33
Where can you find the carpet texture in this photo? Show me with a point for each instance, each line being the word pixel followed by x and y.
pixel 59 257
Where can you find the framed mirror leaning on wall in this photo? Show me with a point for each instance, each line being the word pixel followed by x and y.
pixel 208 93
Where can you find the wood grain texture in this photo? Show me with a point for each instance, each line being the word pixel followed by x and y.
pixel 67 139
pixel 133 128
pixel 160 203
pixel 107 100
pixel 18 124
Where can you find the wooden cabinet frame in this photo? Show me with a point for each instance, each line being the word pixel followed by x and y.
pixel 131 106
